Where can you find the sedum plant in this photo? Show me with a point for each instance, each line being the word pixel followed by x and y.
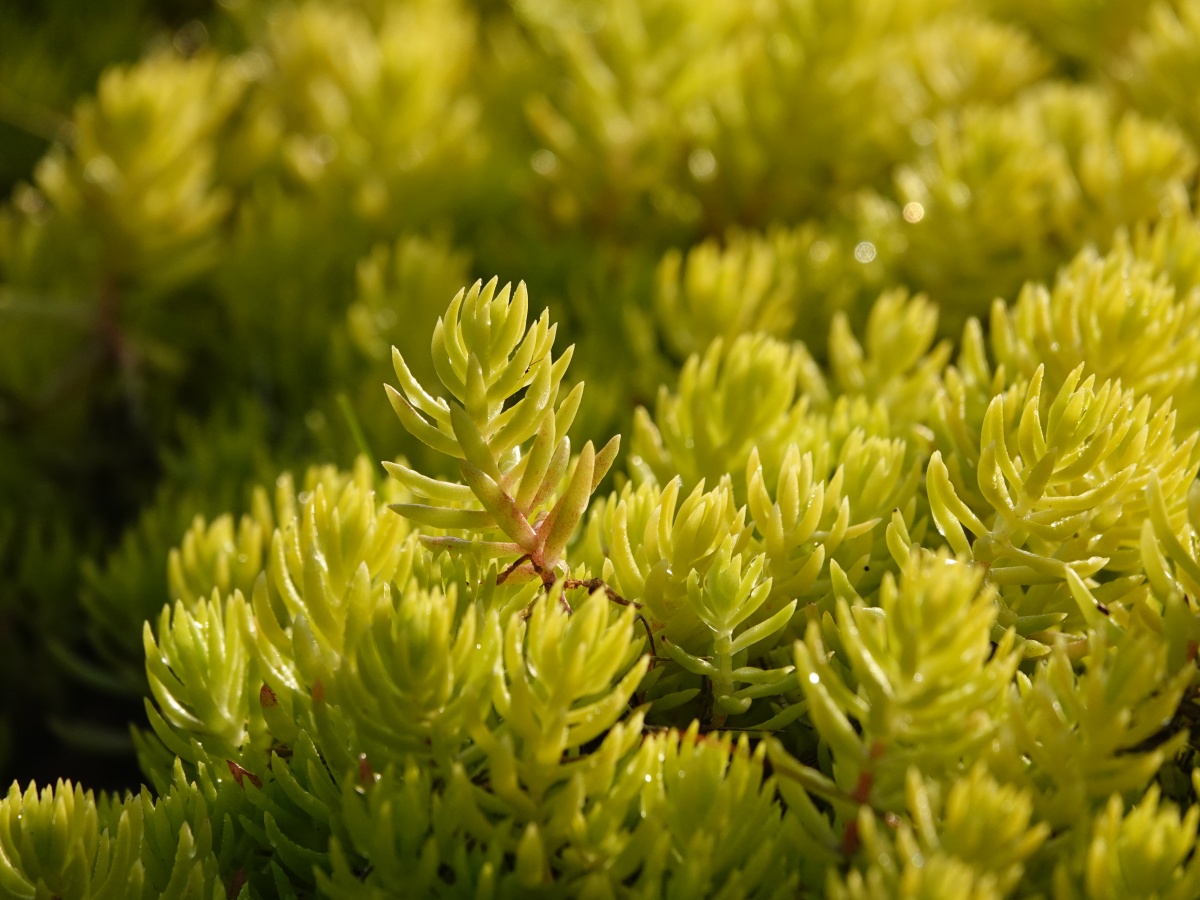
pixel 892 594
pixel 484 357
pixel 497 684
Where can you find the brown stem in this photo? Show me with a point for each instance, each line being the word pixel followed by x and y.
pixel 649 636
pixel 549 579
pixel 547 576
pixel 597 584
pixel 516 564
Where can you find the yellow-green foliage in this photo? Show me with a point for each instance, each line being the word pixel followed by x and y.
pixel 971 840
pixel 66 842
pixel 1060 166
pixel 893 594
pixel 1140 853
pixel 1158 61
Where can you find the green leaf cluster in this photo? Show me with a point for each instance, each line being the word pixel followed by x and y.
pixel 893 594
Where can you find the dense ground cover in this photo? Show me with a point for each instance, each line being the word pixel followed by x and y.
pixel 887 589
